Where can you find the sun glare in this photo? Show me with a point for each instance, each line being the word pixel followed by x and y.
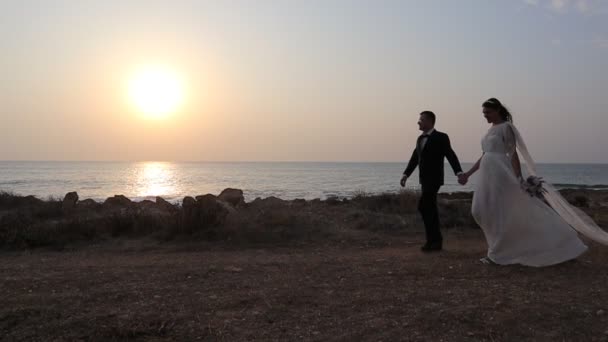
pixel 156 91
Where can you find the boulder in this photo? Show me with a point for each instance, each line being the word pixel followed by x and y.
pixel 146 205
pixel 272 202
pixel 32 201
pixel 212 212
pixel 188 202
pixel 165 205
pixel 117 201
pixel 202 213
pixel 332 200
pixel 189 216
pixel 87 204
pixel 233 196
pixel 69 202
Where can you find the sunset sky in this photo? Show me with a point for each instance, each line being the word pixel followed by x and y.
pixel 299 80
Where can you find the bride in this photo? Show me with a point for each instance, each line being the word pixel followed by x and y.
pixel 521 228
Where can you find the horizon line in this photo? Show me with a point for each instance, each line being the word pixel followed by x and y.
pixel 255 161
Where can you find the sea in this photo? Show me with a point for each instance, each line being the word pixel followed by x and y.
pixel 287 180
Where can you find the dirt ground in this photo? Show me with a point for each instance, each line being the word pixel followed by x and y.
pixel 336 292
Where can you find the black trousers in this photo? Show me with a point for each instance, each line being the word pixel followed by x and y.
pixel 430 215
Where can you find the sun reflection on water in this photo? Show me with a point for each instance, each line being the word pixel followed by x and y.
pixel 155 179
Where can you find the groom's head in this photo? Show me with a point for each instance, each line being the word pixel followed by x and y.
pixel 426 121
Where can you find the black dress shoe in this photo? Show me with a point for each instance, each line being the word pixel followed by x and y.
pixel 432 247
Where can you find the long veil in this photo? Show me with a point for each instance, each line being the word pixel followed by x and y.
pixel 576 218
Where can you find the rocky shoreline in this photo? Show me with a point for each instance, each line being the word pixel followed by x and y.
pixel 28 222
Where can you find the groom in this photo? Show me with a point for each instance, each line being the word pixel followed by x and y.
pixel 431 148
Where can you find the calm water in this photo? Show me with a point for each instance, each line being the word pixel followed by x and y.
pixel 140 180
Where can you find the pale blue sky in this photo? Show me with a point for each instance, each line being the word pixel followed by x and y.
pixel 302 80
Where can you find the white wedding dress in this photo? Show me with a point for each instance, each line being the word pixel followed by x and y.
pixel 521 229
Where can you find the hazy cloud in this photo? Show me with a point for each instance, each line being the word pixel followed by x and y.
pixel 582 6
pixel 559 5
pixel 575 6
pixel 600 42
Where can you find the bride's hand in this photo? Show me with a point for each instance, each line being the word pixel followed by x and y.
pixel 463 178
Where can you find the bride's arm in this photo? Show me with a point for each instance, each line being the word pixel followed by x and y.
pixel 474 168
pixel 516 165
pixel 511 145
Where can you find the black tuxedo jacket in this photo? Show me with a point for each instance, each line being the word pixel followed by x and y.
pixel 430 159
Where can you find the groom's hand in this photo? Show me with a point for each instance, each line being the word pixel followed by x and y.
pixel 463 179
pixel 403 180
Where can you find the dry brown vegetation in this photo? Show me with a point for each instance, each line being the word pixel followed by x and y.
pixel 26 222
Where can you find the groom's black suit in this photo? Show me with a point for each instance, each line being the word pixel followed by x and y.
pixel 430 160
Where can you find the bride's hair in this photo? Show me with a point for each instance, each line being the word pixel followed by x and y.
pixel 493 103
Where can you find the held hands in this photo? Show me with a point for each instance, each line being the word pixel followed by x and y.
pixel 463 178
pixel 403 180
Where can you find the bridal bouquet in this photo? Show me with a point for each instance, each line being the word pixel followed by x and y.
pixel 533 186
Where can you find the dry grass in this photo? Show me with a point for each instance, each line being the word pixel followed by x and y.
pixel 27 222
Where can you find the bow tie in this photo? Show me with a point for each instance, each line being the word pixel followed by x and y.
pixel 425 135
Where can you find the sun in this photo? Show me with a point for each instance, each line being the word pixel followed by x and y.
pixel 156 91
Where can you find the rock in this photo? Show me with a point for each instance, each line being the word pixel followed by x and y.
pixel 188 201
pixel 189 217
pixel 118 201
pixel 233 196
pixel 87 204
pixel 165 205
pixel 146 205
pixel 299 201
pixel 69 202
pixel 202 213
pixel 32 201
pixel 228 207
pixel 332 200
pixel 206 198
pixel 269 203
pixel 212 212
pixel 600 312
pixel 273 201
